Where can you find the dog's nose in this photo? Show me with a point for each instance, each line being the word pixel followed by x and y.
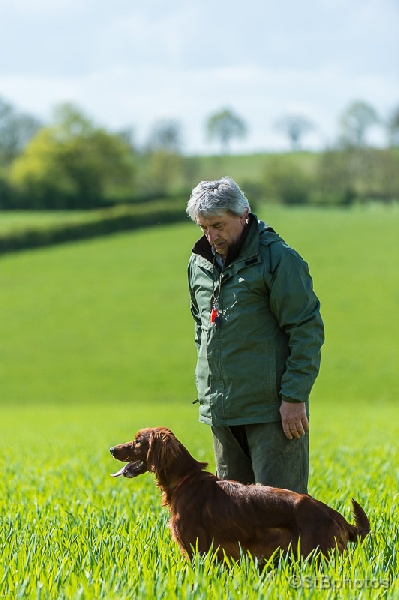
pixel 112 450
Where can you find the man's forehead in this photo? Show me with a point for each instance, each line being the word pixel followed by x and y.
pixel 212 221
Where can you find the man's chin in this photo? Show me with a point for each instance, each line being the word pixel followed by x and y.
pixel 221 249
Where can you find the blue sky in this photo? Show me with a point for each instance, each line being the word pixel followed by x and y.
pixel 130 63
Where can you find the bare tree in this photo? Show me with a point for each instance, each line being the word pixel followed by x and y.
pixel 393 127
pixel 355 123
pixel 225 125
pixel 16 130
pixel 127 134
pixel 165 135
pixel 295 127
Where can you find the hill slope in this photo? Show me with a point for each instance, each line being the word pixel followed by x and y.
pixel 108 320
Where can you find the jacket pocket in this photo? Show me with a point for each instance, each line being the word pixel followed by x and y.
pixel 263 373
pixel 251 379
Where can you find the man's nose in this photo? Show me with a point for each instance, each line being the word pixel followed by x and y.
pixel 212 235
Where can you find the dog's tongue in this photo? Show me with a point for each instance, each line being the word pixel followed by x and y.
pixel 121 471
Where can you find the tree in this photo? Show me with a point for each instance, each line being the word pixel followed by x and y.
pixel 72 163
pixel 355 123
pixel 165 135
pixel 286 181
pixel 295 127
pixel 127 134
pixel 225 125
pixel 16 129
pixel 161 161
pixel 333 178
pixel 393 127
pixel 160 173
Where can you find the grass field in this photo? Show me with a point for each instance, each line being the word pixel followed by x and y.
pixel 96 342
pixel 20 220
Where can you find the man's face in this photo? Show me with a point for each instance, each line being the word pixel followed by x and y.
pixel 223 230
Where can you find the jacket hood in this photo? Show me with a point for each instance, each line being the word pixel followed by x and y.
pixel 246 247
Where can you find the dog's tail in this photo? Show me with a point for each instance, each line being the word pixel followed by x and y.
pixel 362 527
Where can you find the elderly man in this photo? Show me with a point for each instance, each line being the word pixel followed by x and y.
pixel 258 335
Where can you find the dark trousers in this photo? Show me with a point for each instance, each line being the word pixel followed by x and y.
pixel 261 453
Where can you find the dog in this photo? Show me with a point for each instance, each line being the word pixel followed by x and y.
pixel 208 512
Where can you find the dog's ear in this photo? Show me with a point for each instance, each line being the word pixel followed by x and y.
pixel 164 448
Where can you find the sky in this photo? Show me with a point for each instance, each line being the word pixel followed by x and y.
pixel 132 64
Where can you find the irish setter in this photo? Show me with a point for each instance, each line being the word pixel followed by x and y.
pixel 233 518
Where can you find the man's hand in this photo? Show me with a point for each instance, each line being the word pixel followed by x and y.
pixel 294 419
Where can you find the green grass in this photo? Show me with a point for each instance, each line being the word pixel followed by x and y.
pixel 68 530
pixel 108 320
pixel 101 321
pixel 19 220
pixel 97 342
pixel 248 169
pixel 353 257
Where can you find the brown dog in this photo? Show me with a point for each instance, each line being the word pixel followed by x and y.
pixel 233 518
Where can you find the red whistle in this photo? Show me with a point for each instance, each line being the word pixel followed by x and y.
pixel 214 315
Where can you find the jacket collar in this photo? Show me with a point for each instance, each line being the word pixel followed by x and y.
pixel 246 247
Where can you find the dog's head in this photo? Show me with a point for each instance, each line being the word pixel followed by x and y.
pixel 152 449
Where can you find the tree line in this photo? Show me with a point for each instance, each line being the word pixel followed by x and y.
pixel 72 163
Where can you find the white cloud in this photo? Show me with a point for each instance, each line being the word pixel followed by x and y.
pixel 132 63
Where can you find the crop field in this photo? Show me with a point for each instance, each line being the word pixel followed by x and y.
pixel 97 341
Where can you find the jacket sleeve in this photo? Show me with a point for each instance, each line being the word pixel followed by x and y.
pixel 194 308
pixel 297 310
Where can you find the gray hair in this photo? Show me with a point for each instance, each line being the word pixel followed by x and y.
pixel 213 198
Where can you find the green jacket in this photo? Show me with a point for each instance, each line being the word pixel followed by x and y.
pixel 267 346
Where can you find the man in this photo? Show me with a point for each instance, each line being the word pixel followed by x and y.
pixel 258 335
